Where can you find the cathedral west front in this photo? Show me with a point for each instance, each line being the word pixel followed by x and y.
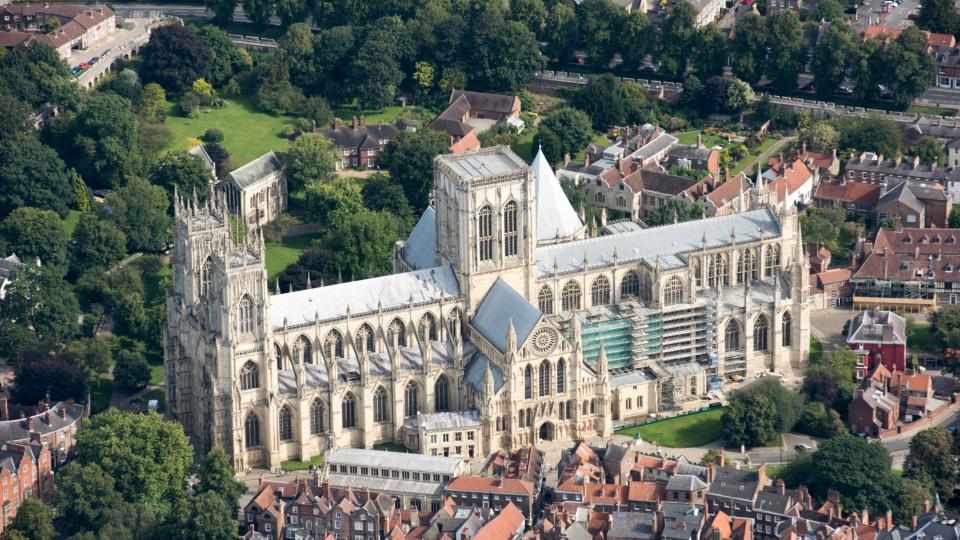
pixel 504 321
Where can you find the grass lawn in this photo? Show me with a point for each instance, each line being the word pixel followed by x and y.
pixel 391 447
pixel 690 138
pixel 681 432
pixel 920 109
pixel 158 395
pixel 152 282
pixel 524 145
pixel 748 160
pixel 282 255
pixel 296 465
pixel 816 350
pixel 921 337
pixel 774 471
pixel 70 223
pixel 385 115
pixel 156 373
pixel 101 390
pixel 248 133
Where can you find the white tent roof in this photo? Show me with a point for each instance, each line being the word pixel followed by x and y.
pixel 555 216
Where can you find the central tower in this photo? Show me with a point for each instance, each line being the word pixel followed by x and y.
pixel 486 220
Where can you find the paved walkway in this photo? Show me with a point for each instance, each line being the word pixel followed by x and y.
pixel 762 158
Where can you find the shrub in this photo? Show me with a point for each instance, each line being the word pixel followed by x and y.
pixel 213 135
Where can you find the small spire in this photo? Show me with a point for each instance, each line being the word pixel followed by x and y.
pixel 339 275
pixel 309 285
pixel 511 335
pixel 277 284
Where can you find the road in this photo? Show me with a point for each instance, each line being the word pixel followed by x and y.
pixel 185 11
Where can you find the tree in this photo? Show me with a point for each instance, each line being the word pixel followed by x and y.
pixel 40 299
pixel 409 158
pixel 220 157
pixel 714 95
pixel 93 355
pixel 946 328
pixel 81 201
pixel 39 374
pixel 572 129
pixel 225 58
pixel 939 16
pixel 296 49
pixel 530 13
pixel 33 233
pixel 132 371
pixel 362 243
pixel 140 210
pixel 911 69
pixel 679 37
pixel 147 456
pixel 84 494
pixel 760 413
pixel 377 64
pixel 506 61
pixel 102 141
pixel 787 55
pixel 381 194
pixel 600 22
pixel 599 99
pixel 710 54
pixel 154 98
pixel 749 420
pixel 96 243
pixel 291 11
pixel 216 475
pixel 911 497
pixel 310 159
pixel 562 31
pixel 821 137
pixel 175 57
pixel 828 10
pixel 34 520
pixel 929 150
pixel 710 457
pixel 859 470
pixel 424 75
pixel 748 48
pixel 331 201
pixel 317 109
pixel 33 175
pixel 931 461
pixel 17 115
pixel 676 209
pixel 836 54
pixel 183 172
pixel 258 11
pixel 222 10
pixel 871 135
pixel 201 517
pixel 739 95
pixel 818 421
pixel 636 39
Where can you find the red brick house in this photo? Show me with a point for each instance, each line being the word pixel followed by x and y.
pixel 874 409
pixel 831 288
pixel 358 145
pixel 25 471
pixel 464 106
pixel 879 337
pixel 852 196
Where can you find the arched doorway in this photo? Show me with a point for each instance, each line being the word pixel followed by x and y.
pixel 547 431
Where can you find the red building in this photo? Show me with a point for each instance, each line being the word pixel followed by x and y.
pixel 878 337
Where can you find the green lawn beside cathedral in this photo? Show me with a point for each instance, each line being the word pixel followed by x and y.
pixel 685 431
pixel 283 254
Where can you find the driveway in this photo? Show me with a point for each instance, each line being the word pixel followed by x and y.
pixel 827 326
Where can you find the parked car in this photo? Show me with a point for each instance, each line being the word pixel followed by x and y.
pixel 803 447
pixel 648 68
pixel 94 60
pixel 84 66
pixel 76 69
pixel 846 90
pixel 913 16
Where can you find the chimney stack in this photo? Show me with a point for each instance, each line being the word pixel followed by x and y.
pixel 361 120
pixel 354 122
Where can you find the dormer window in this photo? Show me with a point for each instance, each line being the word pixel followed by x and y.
pixel 951 240
pixel 948 268
pixel 907 239
pixel 935 240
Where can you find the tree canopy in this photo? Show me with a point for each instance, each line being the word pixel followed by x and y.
pixel 175 57
pixel 409 158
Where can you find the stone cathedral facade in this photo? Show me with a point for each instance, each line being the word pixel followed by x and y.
pixel 502 317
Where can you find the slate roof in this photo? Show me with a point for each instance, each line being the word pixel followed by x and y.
pixel 902 197
pixel 256 170
pixel 730 190
pixel 735 484
pixel 486 102
pixel 476 370
pixel 685 482
pixel 503 305
pixel 421 249
pixel 556 217
pixel 665 243
pixel 363 296
pixel 362 137
pixel 690 151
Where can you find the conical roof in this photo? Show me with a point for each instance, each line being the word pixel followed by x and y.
pixel 555 215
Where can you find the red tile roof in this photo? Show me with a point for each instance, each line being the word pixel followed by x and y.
pixel 646 491
pixel 838 275
pixel 504 526
pixel 490 484
pixel 730 190
pixel 849 192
